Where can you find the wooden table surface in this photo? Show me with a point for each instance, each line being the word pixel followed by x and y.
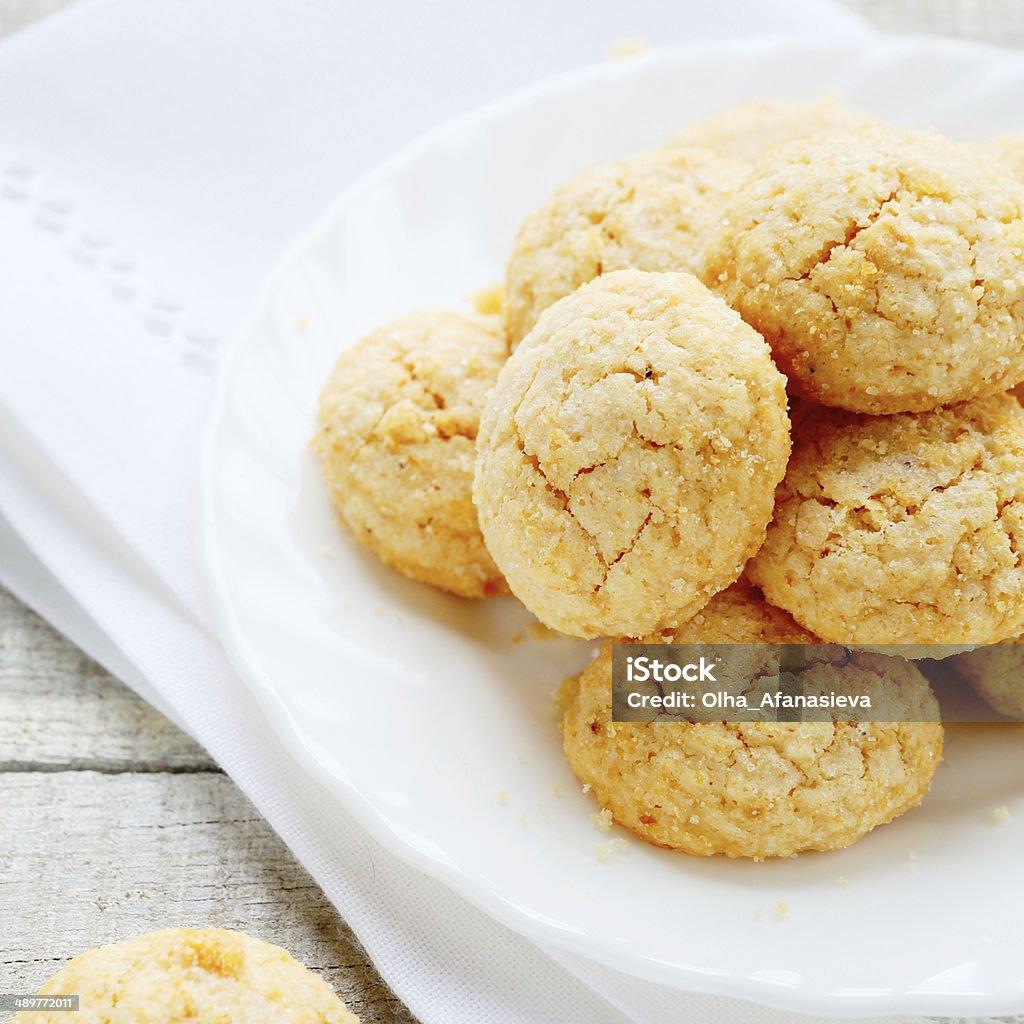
pixel 113 822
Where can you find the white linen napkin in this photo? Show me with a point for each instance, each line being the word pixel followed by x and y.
pixel 154 159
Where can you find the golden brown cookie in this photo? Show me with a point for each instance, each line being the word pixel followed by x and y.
pixel 883 266
pixel 396 436
pixel 738 615
pixel 904 529
pixel 755 789
pixel 732 629
pixel 997 674
pixel 745 132
pixel 648 212
pixel 628 455
pixel 916 652
pixel 200 977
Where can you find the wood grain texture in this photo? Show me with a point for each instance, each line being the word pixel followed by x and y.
pixel 991 21
pixel 58 710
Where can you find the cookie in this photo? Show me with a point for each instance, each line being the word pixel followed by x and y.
pixel 738 615
pixel 745 132
pixel 396 437
pixel 733 629
pixel 916 652
pixel 648 212
pixel 202 977
pixel 755 789
pixel 905 529
pixel 629 454
pixel 997 674
pixel 885 268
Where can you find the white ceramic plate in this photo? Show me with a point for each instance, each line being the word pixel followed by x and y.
pixel 419 710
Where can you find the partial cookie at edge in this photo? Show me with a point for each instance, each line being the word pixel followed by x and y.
pixel 883 266
pixel 646 212
pixel 184 975
pixel 396 438
pixel 904 529
pixel 745 132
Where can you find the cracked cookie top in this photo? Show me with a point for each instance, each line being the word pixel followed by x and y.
pixel 746 131
pixel 185 974
pixel 396 436
pixel 757 789
pixel 629 454
pixel 885 268
pixel 905 529
pixel 647 212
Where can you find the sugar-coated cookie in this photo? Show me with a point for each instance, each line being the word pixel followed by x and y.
pixel 885 267
pixel 396 436
pixel 746 131
pixel 738 615
pixel 199 977
pixel 628 455
pixel 905 529
pixel 916 652
pixel 648 212
pixel 755 789
pixel 997 673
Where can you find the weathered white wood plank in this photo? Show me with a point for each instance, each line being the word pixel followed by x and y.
pixel 60 710
pixel 994 21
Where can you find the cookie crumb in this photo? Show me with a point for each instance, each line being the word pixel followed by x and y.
pixel 1001 815
pixel 302 323
pixel 602 820
pixel 490 300
pixel 606 850
pixel 780 909
pixel 626 48
pixel 843 882
pixel 502 797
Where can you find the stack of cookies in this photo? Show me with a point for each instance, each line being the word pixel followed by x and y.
pixel 755 387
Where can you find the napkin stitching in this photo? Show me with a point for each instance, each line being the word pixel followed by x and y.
pixel 23 187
